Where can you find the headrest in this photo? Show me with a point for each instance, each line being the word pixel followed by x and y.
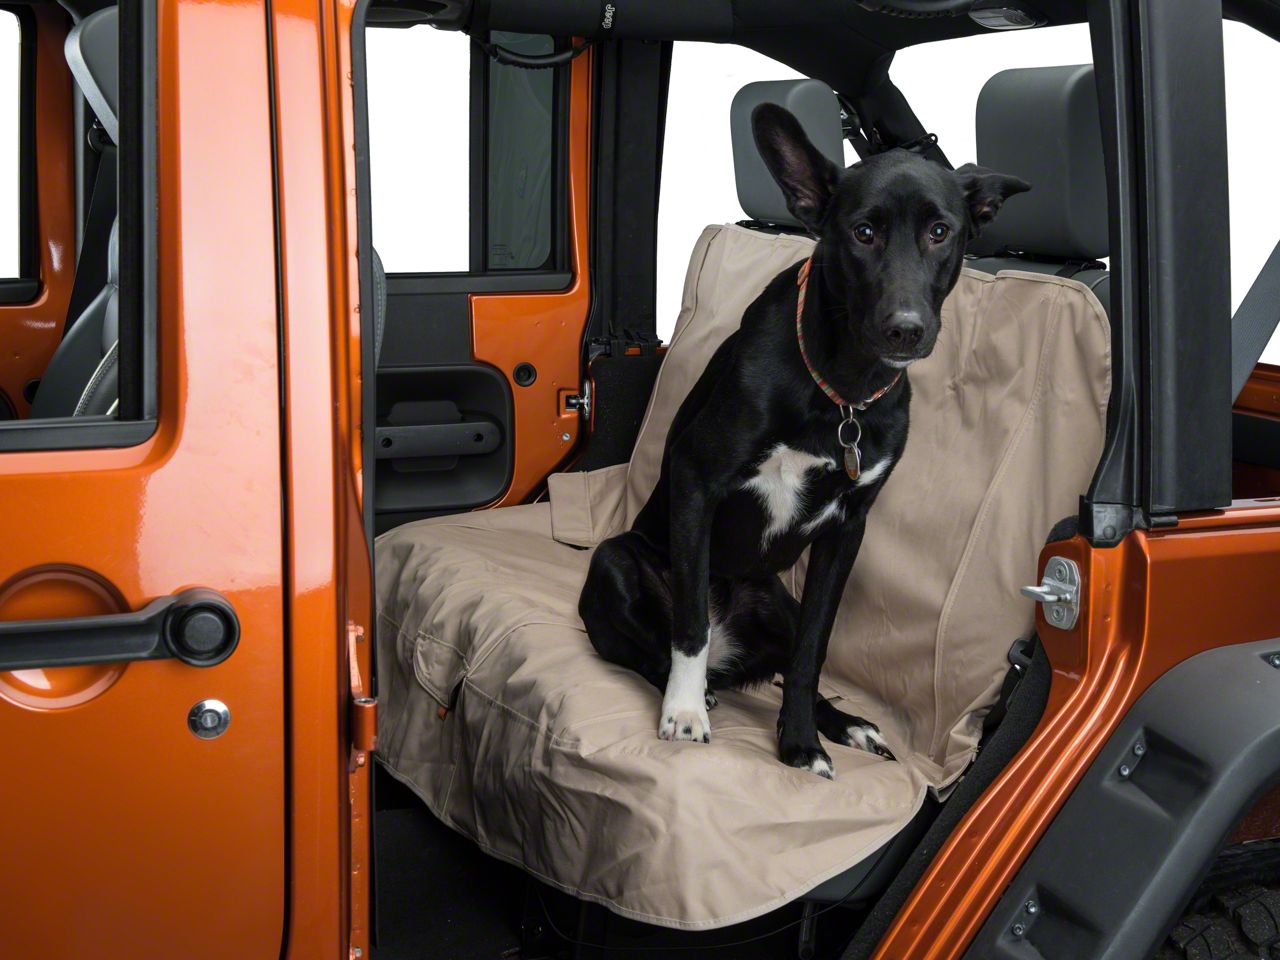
pixel 93 54
pixel 814 105
pixel 1041 124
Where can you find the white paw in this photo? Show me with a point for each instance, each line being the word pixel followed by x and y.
pixel 866 736
pixel 685 723
pixel 822 767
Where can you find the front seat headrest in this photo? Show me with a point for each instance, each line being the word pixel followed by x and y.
pixel 93 53
pixel 815 106
pixel 1041 124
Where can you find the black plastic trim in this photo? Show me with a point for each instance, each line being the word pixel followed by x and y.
pixel 1114 490
pixel 137 210
pixel 74 433
pixel 1186 282
pixel 156 632
pixel 527 281
pixel 467 438
pixel 1127 851
pixel 1167 447
pixel 1255 440
pixel 19 290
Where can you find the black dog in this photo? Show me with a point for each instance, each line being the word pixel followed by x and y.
pixel 784 442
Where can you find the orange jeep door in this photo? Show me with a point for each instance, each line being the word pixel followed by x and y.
pixel 125 833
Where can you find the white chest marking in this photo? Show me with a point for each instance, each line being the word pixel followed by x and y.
pixel 834 509
pixel 779 483
pixel 872 474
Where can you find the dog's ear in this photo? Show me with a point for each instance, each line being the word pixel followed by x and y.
pixel 986 191
pixel 807 178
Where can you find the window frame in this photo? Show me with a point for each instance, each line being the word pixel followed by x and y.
pixel 555 275
pixel 136 419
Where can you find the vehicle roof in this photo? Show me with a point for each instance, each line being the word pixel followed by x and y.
pixel 840 42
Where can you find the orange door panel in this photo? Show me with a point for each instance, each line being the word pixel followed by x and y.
pixel 1157 599
pixel 545 329
pixel 126 835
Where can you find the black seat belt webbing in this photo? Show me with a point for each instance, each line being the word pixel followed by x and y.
pixel 91 265
pixel 1254 322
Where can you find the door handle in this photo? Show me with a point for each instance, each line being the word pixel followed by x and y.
pixel 467 438
pixel 197 626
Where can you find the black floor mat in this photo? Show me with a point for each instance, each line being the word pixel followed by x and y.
pixel 438 896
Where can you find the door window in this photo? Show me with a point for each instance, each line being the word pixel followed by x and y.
pixel 15 158
pixel 94 385
pixel 463 153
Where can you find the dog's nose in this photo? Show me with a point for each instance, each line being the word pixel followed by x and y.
pixel 904 329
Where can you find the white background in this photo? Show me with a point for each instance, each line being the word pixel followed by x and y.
pixel 10 105
pixel 419 143
pixel 941 81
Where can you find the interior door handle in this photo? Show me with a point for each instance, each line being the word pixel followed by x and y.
pixel 197 626
pixel 466 438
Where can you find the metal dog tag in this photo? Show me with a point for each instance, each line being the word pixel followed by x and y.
pixel 852 461
pixel 852 455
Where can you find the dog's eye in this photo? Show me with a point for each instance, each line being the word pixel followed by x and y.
pixel 863 233
pixel 938 232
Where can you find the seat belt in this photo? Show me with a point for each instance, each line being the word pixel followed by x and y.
pixel 887 119
pixel 91 265
pixel 1254 322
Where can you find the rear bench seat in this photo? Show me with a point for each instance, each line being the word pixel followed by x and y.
pixel 500 716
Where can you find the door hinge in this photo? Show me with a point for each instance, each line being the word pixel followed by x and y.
pixel 363 709
pixel 1059 591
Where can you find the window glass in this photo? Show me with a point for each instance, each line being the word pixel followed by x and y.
pixel 521 160
pixel 698 186
pixel 419 147
pixel 1253 142
pixel 947 107
pixel 10 144
pixel 421 127
pixel 1253 138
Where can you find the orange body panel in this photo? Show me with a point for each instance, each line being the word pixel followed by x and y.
pixel 545 329
pixel 30 332
pixel 1261 392
pixel 1261 398
pixel 135 838
pixel 328 562
pixel 1152 602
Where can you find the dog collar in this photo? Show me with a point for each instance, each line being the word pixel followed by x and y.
pixel 852 453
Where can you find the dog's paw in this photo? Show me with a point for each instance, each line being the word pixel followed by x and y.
pixel 814 759
pixel 865 735
pixel 685 724
pixel 711 700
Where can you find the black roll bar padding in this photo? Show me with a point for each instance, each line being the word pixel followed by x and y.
pixel 606 19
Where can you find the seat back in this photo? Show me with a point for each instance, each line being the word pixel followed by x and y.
pixel 1007 424
pixel 1041 123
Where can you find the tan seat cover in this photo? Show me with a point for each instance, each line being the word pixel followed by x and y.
pixel 548 756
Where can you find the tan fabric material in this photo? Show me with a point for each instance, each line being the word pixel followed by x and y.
pixel 548 757
pixel 588 507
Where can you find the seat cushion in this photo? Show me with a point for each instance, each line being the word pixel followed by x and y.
pixel 547 755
